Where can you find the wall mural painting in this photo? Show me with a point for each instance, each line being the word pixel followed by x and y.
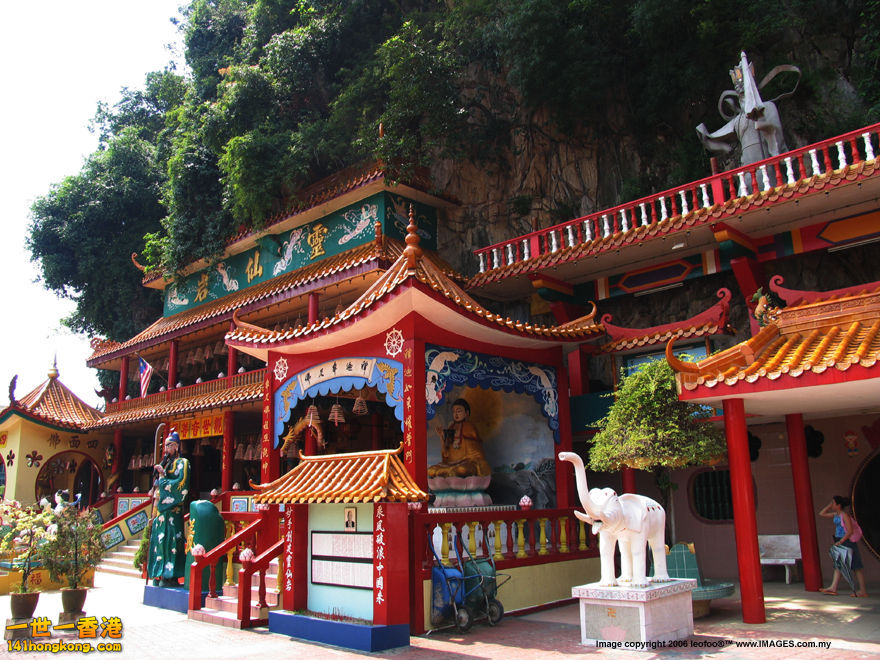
pixel 288 251
pixel 514 407
pixel 339 375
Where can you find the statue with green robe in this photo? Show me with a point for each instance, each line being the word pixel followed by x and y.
pixel 167 558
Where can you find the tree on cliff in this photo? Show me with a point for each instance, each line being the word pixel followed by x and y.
pixel 281 94
pixel 649 428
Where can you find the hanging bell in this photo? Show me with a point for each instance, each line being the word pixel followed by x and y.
pixel 312 415
pixel 360 406
pixel 337 415
pixel 239 452
pixel 131 463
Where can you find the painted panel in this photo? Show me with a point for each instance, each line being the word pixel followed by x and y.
pixel 341 374
pixel 112 537
pixel 137 522
pixel 239 504
pixel 302 246
pixel 513 407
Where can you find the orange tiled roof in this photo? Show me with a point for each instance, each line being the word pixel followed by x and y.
pixel 370 476
pixel 412 264
pixel 161 409
pixel 53 402
pixel 695 217
pixel 837 329
pixel 707 322
pixel 384 249
pixel 326 190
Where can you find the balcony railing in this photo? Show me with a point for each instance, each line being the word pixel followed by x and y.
pixel 199 389
pixel 786 169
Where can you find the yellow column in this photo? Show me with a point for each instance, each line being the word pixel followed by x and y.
pixel 542 550
pixel 521 539
pixel 498 554
pixel 563 535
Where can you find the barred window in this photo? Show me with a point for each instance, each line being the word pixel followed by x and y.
pixel 711 497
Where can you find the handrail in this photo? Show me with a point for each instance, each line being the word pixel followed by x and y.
pixel 796 165
pixel 245 573
pixel 188 391
pixel 211 557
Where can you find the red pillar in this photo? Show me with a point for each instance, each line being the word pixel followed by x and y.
pixel 123 378
pixel 295 579
pixel 116 468
pixel 391 562
pixel 803 499
pixel 628 479
pixel 415 419
pixel 564 483
pixel 578 372
pixel 231 356
pixel 310 442
pixel 172 365
pixel 745 525
pixel 313 307
pixel 228 450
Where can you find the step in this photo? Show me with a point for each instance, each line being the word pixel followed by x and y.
pixel 232 589
pixel 230 605
pixel 230 595
pixel 118 570
pixel 227 619
pixel 118 562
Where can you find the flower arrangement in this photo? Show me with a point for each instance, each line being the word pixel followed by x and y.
pixel 73 546
pixel 23 530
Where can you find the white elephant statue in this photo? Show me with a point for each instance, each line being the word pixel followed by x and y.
pixel 632 521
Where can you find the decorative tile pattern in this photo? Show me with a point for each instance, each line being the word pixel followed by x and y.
pixel 137 522
pixel 112 537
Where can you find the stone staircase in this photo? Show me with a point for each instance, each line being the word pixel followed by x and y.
pixel 120 561
pixel 223 610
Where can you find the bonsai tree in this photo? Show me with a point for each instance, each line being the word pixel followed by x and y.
pixel 648 428
pixel 73 548
pixel 22 532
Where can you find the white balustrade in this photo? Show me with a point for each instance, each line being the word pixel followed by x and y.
pixel 869 150
pixel 765 178
pixel 645 221
pixel 705 192
pixel 789 171
pixel 663 212
pixel 588 230
pixel 526 250
pixel 624 222
pixel 684 202
pixel 841 155
pixel 814 161
pixel 572 236
pixel 743 187
pixel 606 227
pixel 496 258
pixel 511 253
pixel 482 257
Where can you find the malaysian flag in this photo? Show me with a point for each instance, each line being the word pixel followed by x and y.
pixel 146 372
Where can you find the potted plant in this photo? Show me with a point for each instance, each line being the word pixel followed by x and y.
pixel 22 531
pixel 71 549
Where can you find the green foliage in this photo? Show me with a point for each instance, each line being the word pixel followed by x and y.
pixel 23 530
pixel 73 547
pixel 142 553
pixel 648 427
pixel 281 94
pixel 84 230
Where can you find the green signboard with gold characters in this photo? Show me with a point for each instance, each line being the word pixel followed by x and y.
pixel 302 246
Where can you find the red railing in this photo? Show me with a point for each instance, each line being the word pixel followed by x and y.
pixel 199 389
pixel 787 169
pixel 261 536
pixel 248 568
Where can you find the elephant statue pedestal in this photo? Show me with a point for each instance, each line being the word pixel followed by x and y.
pixel 636 618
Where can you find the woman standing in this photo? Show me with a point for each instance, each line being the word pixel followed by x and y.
pixel 844 526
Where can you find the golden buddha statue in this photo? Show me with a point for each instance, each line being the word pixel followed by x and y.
pixel 462 448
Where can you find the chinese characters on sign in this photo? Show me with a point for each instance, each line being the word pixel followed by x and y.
pixel 379 560
pixel 199 427
pixel 360 367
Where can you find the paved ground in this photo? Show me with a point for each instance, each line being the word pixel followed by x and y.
pixel 850 625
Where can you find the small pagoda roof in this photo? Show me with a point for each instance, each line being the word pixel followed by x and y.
pixel 370 476
pixel 816 355
pixel 202 402
pixel 53 403
pixel 431 291
pixel 708 322
pixel 369 257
